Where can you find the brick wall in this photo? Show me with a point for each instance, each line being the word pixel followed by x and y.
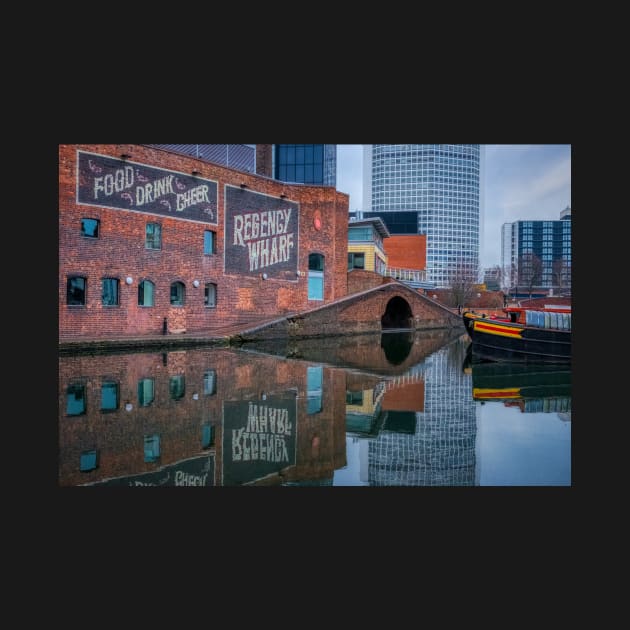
pixel 406 251
pixel 264 160
pixel 361 313
pixel 120 251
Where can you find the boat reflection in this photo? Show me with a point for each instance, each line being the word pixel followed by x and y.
pixel 266 414
pixel 530 387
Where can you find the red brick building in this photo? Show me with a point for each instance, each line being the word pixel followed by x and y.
pixel 150 239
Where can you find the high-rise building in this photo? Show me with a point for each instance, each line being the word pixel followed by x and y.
pixel 305 163
pixel 537 254
pixel 431 189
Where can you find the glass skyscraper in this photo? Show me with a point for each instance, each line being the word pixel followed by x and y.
pixel 431 189
pixel 305 163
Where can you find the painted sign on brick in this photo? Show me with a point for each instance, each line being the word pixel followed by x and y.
pixel 198 471
pixel 258 438
pixel 261 234
pixel 112 183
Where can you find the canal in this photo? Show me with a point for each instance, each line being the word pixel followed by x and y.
pixel 402 408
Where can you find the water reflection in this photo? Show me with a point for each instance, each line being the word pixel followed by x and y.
pixel 379 410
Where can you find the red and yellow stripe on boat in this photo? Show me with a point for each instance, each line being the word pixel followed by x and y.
pixel 489 394
pixel 497 329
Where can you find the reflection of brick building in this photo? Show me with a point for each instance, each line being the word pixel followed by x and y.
pixel 147 234
pixel 159 418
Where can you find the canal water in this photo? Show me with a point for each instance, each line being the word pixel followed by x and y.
pixel 402 408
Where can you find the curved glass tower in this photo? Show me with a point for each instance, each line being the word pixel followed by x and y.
pixel 431 189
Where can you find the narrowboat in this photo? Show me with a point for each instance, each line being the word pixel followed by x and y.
pixel 522 335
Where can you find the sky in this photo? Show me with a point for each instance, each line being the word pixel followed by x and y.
pixel 521 182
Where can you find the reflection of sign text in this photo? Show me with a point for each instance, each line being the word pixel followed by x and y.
pixel 265 436
pixel 198 471
pixel 258 438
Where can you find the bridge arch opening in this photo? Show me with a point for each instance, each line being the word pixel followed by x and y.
pixel 397 314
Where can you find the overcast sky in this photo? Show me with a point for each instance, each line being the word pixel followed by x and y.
pixel 521 182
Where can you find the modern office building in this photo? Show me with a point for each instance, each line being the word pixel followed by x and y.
pixel 305 163
pixel 537 255
pixel 291 163
pixel 431 189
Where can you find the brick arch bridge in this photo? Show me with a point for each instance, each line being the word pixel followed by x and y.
pixel 390 305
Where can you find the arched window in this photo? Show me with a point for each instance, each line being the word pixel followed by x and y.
pixel 315 277
pixel 178 293
pixel 146 291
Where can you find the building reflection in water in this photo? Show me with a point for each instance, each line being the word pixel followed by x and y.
pixel 271 414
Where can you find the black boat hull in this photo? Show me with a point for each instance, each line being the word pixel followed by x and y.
pixel 496 340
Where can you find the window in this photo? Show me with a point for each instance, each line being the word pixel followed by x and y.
pixel 207 435
pixel 89 227
pixel 354 398
pixel 146 291
pixel 110 292
pixel 209 238
pixel 177 386
pixel 360 234
pixel 210 295
pixel 153 236
pixel 314 377
pixel 210 382
pixel 75 291
pixel 109 396
pixel 146 391
pixel 75 400
pixel 178 293
pixel 151 448
pixel 356 260
pixel 315 277
pixel 89 461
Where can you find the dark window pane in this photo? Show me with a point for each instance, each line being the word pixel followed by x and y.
pixel 151 448
pixel 316 262
pixel 75 293
pixel 209 382
pixel 110 292
pixel 153 236
pixel 177 386
pixel 177 294
pixel 207 435
pixel 208 242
